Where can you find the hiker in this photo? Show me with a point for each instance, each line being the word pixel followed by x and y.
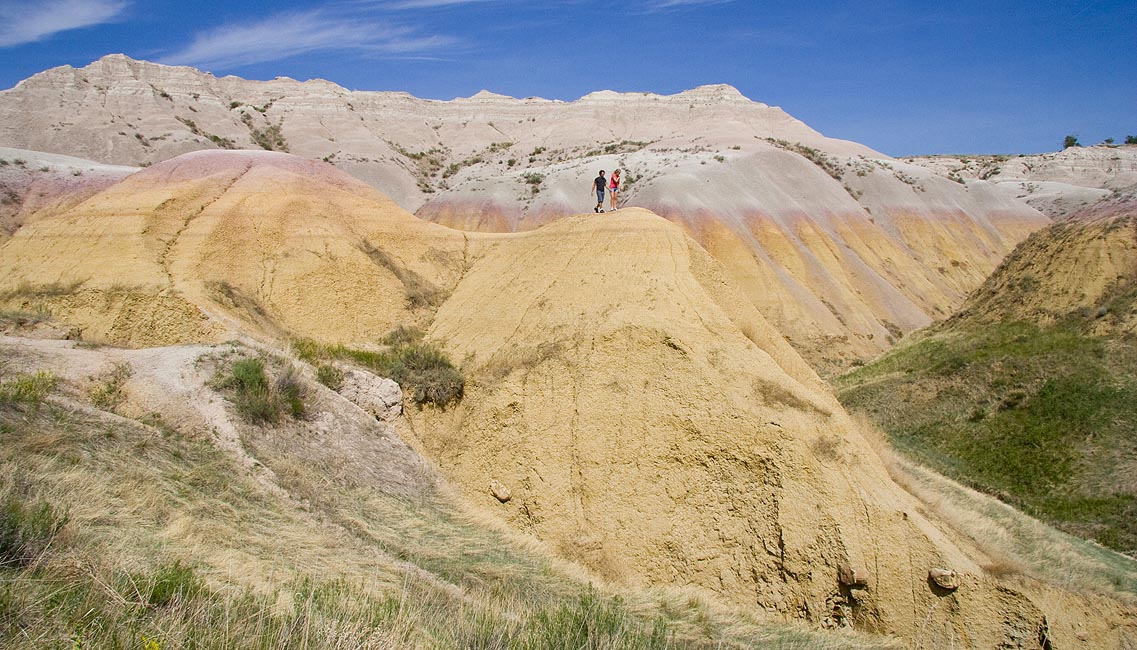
pixel 614 187
pixel 599 183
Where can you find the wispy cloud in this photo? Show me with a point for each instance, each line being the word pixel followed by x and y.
pixel 427 4
pixel 26 22
pixel 659 5
pixel 291 34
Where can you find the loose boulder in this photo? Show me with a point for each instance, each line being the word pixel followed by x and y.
pixel 378 396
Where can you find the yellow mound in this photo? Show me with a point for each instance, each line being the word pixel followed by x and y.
pixel 211 243
pixel 648 422
pixel 1084 267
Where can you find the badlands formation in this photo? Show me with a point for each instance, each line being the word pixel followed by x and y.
pixel 643 384
pixel 1058 184
pixel 648 421
pixel 841 248
pixel 1034 284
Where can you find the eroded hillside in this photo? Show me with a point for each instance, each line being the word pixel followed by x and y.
pixel 210 243
pixel 840 247
pixel 1028 391
pixel 647 421
pixel 1058 184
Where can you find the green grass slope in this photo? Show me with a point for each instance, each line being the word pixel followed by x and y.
pixel 1043 418
pixel 1030 392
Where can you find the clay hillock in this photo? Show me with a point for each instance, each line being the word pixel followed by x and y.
pixel 211 243
pixel 1083 268
pixel 624 405
pixel 1028 391
pixel 1058 184
pixel 34 183
pixel 842 248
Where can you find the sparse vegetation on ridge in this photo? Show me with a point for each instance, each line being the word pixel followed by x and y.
pixel 224 143
pixel 422 370
pixel 617 147
pixel 533 180
pixel 815 156
pixel 270 137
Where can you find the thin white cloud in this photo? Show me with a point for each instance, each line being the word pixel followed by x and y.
pixel 291 34
pixel 681 4
pixel 27 22
pixel 428 4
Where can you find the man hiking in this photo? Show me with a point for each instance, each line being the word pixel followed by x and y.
pixel 599 183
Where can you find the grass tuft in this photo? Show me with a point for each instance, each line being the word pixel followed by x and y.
pixel 257 400
pixel 106 393
pixel 26 531
pixel 27 389
pixel 330 376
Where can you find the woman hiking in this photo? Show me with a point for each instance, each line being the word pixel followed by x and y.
pixel 614 187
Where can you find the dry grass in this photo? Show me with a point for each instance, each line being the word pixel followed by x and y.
pixel 1012 542
pixel 512 359
pixel 105 392
pixel 28 290
pixel 420 291
pixel 169 541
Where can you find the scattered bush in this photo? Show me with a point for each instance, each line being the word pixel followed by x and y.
pixel 1131 139
pixel 259 401
pixel 27 389
pixel 290 388
pixel 26 532
pixel 107 394
pixel 534 180
pixel 1070 141
pixel 329 375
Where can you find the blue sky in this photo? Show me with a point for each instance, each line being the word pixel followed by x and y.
pixel 905 78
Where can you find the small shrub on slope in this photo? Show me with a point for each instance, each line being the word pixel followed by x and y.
pixel 427 373
pixel 257 400
pixel 26 531
pixel 422 370
pixel 27 389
